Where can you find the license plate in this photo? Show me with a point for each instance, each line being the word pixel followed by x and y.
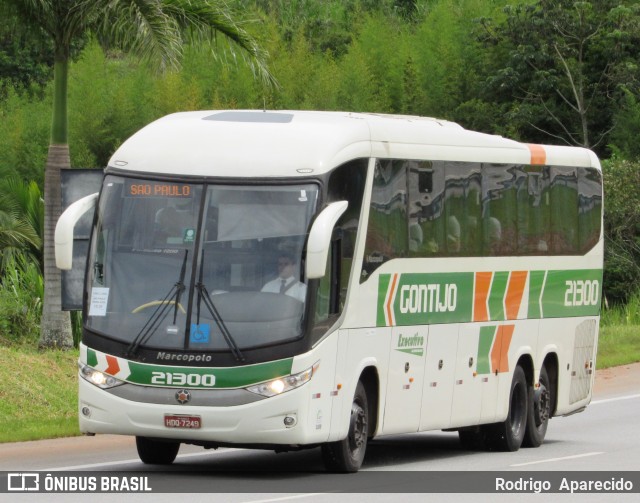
pixel 189 422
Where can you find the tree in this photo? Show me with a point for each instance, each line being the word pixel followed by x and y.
pixel 155 30
pixel 567 64
pixel 25 54
pixel 621 229
pixel 21 222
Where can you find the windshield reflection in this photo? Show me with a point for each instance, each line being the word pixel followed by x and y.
pixel 245 288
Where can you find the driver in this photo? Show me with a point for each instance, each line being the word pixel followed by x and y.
pixel 286 283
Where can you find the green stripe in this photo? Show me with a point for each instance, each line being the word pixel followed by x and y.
pixel 572 293
pixel 536 279
pixel 563 294
pixel 383 286
pixel 92 358
pixel 487 335
pixel 225 377
pixel 431 298
pixel 496 296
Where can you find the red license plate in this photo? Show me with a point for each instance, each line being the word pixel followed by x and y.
pixel 189 422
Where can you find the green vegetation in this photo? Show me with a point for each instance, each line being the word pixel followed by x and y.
pixel 559 72
pixel 618 345
pixel 619 341
pixel 38 396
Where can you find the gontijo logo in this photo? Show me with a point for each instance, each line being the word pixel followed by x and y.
pixel 418 299
pixel 430 298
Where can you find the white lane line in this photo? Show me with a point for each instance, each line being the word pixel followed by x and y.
pixel 615 399
pixel 285 498
pixel 126 462
pixel 551 460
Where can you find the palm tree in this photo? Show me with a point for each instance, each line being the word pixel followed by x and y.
pixel 156 30
pixel 21 222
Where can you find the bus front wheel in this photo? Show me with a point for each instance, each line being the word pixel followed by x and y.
pixel 346 456
pixel 156 452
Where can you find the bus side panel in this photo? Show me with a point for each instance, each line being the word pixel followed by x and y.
pixel 320 388
pixel 513 345
pixel 468 385
pixel 405 379
pixel 366 347
pixel 339 395
pixel 576 339
pixel 439 376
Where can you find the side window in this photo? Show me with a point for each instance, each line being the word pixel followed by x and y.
pixel 564 210
pixel 448 209
pixel 589 207
pixel 346 183
pixel 499 209
pixel 533 236
pixel 426 231
pixel 463 224
pixel 387 232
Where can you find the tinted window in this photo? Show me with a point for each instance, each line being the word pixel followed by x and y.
pixel 387 231
pixel 444 208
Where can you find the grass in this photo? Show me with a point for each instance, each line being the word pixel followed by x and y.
pixel 618 345
pixel 619 340
pixel 38 394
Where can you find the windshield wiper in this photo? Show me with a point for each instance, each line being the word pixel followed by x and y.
pixel 161 311
pixel 203 294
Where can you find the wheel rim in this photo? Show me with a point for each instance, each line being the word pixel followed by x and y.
pixel 542 405
pixel 357 428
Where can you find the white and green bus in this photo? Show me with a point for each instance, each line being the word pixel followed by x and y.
pixel 287 280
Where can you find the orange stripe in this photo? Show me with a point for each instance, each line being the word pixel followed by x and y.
pixel 500 350
pixel 483 283
pixel 538 154
pixel 113 367
pixel 515 290
pixel 389 302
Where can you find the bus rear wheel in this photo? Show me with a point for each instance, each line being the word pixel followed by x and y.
pixel 539 412
pixel 509 435
pixel 156 452
pixel 346 456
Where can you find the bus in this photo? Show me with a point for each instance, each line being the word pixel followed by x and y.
pixel 295 279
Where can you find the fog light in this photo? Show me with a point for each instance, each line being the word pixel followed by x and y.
pixel 86 411
pixel 289 421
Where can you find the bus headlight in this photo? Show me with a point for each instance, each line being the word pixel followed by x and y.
pixel 98 378
pixel 284 384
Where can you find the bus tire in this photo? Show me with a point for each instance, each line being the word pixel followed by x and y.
pixel 156 452
pixel 539 412
pixel 508 435
pixel 346 456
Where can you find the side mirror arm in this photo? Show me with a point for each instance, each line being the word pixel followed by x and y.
pixel 64 230
pixel 319 241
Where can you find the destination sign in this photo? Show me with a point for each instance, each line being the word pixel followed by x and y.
pixel 136 188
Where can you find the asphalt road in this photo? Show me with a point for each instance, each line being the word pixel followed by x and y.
pixel 603 438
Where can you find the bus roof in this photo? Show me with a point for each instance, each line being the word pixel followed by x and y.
pixel 254 143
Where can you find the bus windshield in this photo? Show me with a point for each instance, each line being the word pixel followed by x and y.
pixel 201 267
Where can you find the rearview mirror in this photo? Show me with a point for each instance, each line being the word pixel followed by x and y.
pixel 64 230
pixel 320 239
